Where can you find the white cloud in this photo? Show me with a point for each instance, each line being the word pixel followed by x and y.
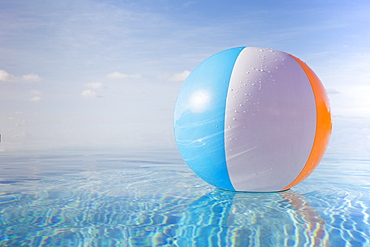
pixel 31 77
pixel 35 99
pixel 88 94
pixel 177 77
pixel 94 85
pixel 119 75
pixel 36 96
pixel 5 76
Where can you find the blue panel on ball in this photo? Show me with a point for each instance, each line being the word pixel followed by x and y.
pixel 200 116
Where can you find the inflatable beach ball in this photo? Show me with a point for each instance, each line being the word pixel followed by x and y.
pixel 252 119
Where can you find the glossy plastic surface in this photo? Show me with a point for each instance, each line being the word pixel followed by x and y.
pixel 248 119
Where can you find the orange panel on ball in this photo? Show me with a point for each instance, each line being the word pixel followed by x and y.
pixel 323 125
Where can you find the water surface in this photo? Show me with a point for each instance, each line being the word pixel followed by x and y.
pixel 151 198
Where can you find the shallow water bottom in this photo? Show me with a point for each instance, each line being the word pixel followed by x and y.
pixel 151 198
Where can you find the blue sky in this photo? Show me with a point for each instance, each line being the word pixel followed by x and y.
pixel 107 73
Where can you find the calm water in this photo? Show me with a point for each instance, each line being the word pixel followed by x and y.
pixel 151 198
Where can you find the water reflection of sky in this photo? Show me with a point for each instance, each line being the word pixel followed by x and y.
pixel 152 198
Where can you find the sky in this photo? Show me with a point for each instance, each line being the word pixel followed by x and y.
pixel 92 73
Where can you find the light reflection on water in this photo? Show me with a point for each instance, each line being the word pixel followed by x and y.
pixel 153 199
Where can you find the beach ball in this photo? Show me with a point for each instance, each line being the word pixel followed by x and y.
pixel 252 119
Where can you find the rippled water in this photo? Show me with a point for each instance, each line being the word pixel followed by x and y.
pixel 151 198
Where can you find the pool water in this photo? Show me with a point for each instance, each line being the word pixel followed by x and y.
pixel 151 198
